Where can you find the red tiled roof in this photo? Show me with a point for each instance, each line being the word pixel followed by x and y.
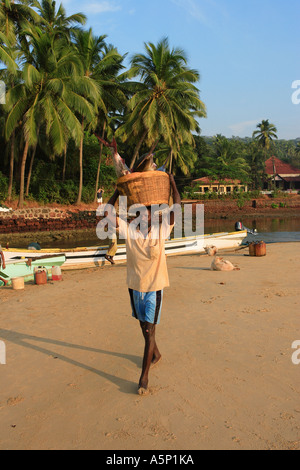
pixel 292 179
pixel 281 168
pixel 207 180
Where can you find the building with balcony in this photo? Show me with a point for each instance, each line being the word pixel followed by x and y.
pixel 225 186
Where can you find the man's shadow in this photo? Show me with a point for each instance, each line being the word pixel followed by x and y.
pixel 21 339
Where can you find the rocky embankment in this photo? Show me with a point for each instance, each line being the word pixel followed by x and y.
pixel 46 225
pixel 263 207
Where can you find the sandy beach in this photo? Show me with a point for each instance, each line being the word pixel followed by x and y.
pixel 226 381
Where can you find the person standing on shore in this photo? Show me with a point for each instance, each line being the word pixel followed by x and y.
pixel 147 275
pixel 100 195
pixel 112 249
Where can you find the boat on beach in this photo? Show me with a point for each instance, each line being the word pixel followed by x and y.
pixel 26 266
pixel 90 257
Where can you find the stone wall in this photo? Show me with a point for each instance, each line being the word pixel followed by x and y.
pixel 46 220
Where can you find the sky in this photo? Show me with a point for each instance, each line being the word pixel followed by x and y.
pixel 246 51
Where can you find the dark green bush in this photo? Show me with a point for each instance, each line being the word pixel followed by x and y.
pixel 3 187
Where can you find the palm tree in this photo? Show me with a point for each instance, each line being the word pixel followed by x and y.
pixel 101 64
pixel 88 49
pixel 256 161
pixel 14 16
pixel 185 160
pixel 56 24
pixel 264 134
pixel 6 48
pixel 166 103
pixel 50 96
pixel 55 21
pixel 114 93
pixel 10 76
pixel 227 163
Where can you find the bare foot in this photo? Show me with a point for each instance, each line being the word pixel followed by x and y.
pixel 143 391
pixel 143 387
pixel 156 360
pixel 109 259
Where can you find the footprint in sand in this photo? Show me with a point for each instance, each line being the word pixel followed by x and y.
pixel 14 401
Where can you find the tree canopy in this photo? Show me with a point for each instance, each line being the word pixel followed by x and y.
pixel 64 83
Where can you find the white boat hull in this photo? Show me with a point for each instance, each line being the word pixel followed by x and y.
pixel 94 256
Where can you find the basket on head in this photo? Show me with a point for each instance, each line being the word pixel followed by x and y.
pixel 150 187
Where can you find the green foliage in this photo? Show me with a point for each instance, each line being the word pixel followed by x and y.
pixel 68 192
pixel 241 201
pixel 265 134
pixel 3 187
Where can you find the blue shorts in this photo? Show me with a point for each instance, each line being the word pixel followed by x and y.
pixel 146 307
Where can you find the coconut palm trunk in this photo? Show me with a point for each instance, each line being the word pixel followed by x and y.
pixel 99 164
pixel 65 163
pixel 30 167
pixel 30 171
pixel 80 166
pixel 138 148
pixel 11 166
pixel 171 161
pixel 22 178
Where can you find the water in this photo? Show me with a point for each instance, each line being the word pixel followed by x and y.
pixel 270 230
pixel 275 237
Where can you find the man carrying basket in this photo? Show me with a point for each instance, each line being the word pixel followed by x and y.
pixel 147 273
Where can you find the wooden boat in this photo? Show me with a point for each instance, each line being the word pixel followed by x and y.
pixel 19 266
pixel 89 257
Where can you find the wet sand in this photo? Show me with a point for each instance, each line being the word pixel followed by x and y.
pixel 226 381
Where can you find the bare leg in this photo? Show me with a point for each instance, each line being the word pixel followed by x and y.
pixel 151 355
pixel 156 354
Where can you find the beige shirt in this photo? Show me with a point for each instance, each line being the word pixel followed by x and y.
pixel 146 259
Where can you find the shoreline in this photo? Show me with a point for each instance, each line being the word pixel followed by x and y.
pixel 74 238
pixel 74 355
pixel 57 224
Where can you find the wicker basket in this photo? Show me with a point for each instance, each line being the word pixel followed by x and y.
pixel 150 187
